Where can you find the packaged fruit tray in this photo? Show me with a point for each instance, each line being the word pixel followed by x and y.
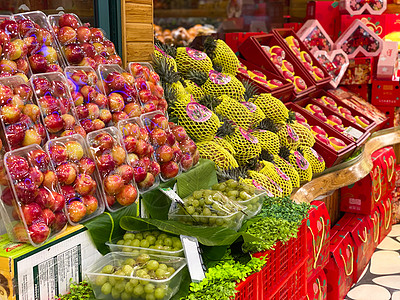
pixel 116 174
pixel 256 49
pixel 136 276
pixel 91 104
pixel 136 140
pixel 13 56
pixel 322 145
pixel 37 207
pixel 147 242
pixel 57 109
pixel 44 54
pixel 81 44
pixel 290 42
pixel 78 177
pixel 21 122
pixel 283 92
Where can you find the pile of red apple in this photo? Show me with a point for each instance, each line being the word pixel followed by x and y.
pixel 147 83
pixel 37 204
pixel 76 172
pixel 259 77
pixel 19 116
pixel 140 153
pixel 13 51
pixel 168 154
pixel 54 99
pixel 91 105
pixel 83 45
pixel 39 44
pixel 115 172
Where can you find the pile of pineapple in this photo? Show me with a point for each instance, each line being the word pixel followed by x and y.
pixel 251 137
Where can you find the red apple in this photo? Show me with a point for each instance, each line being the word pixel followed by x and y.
pixel 91 204
pixel 18 167
pixel 86 166
pixel 39 232
pixel 31 212
pixel 169 170
pixel 68 20
pixel 179 133
pixel 26 191
pixel 39 159
pixel 74 53
pixel 60 221
pixel 50 179
pixel 89 50
pixel 103 141
pixel 48 217
pixel 363 122
pixel 66 174
pixel 113 184
pixel 321 116
pixel 140 173
pixel 318 130
pixel 127 195
pixel 339 128
pixel 83 34
pixel 334 120
pixel 10 113
pixel 66 35
pixel 105 163
pixel 148 182
pixel 15 134
pixel 36 176
pixel 337 143
pixel 323 139
pixel 186 161
pixel 344 111
pixel 154 168
pixel 76 211
pixel 159 121
pixel 38 63
pixel 44 199
pixel 314 108
pixel 85 184
pixel 126 172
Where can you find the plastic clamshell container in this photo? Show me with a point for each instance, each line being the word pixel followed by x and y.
pixel 252 51
pixel 24 122
pixel 146 120
pixel 254 204
pixel 136 121
pixel 22 228
pixel 95 97
pixel 41 19
pixel 98 193
pixel 331 156
pixel 283 92
pixel 116 141
pixel 170 284
pixel 283 33
pixel 63 105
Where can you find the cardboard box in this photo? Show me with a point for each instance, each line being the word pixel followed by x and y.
pixel 341 224
pixel 318 237
pixel 317 288
pixel 385 93
pixel 327 13
pixel 390 113
pixel 387 160
pixel 388 61
pixel 377 221
pixel 31 273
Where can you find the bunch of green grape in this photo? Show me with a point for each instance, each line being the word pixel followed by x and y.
pixel 241 193
pixel 156 240
pixel 120 286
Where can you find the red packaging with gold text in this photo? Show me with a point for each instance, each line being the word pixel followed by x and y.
pixel 317 288
pixel 385 209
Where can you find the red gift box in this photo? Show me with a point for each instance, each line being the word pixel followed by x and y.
pixel 385 209
pixel 359 71
pixel 341 224
pixel 385 93
pixel 387 160
pixel 377 23
pixel 388 61
pixel 317 288
pixel 361 231
pixel 318 234
pixel 391 113
pixel 327 13
pixel 339 271
pixel 361 90
pixel 376 219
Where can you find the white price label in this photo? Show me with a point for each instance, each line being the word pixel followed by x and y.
pixel 355 133
pixel 193 258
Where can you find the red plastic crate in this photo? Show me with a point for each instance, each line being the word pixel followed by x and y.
pixel 234 39
pixel 249 289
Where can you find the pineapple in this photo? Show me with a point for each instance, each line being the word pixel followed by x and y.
pixel 212 151
pixel 316 161
pixel 288 169
pixel 301 165
pixel 194 89
pixel 158 53
pixel 234 111
pixel 272 107
pixel 276 174
pixel 268 140
pixel 306 138
pixel 191 59
pixel 266 182
pixel 256 113
pixel 288 137
pixel 179 88
pixel 221 54
pixel 224 144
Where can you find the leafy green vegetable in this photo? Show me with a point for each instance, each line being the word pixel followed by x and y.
pixel 78 291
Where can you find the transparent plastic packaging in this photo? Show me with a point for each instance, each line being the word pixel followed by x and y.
pixel 52 94
pixel 167 151
pixel 116 174
pixel 138 287
pixel 44 54
pixel 147 242
pixel 21 122
pixel 91 104
pixel 33 208
pixel 81 44
pixel 78 177
pixel 140 154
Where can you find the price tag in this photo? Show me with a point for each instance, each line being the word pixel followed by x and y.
pixel 172 195
pixel 355 133
pixel 193 257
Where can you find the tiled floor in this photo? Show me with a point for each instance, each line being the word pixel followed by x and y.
pixel 381 278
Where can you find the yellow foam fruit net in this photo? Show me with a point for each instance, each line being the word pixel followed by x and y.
pixel 266 182
pixel 306 138
pixel 191 59
pixel 200 122
pixel 314 158
pixel 194 90
pixel 224 144
pixel 302 166
pixel 268 140
pixel 272 107
pixel 277 175
pixel 212 151
pixel 288 169
pixel 226 58
pixel 234 111
pixel 218 84
pixel 256 113
pixel 288 137
pixel 158 53
pixel 178 88
pixel 245 145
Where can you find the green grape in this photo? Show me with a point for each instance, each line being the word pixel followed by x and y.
pixel 171 269
pixel 197 194
pixel 112 280
pixel 129 236
pixel 201 202
pixel 160 273
pixel 162 267
pixel 244 195
pixel 155 232
pixel 215 186
pixel 162 236
pixel 150 297
pixel 120 287
pixel 168 242
pixel 159 242
pixel 129 261
pixel 144 282
pixel 135 253
pixel 106 288
pixel 127 242
pixel 190 210
pixel 119 273
pixel 232 183
pixel 167 274
pixel 217 197
pixel 206 211
pixel 125 296
pixel 221 187
pixel 152 265
pixel 141 273
pixel 139 236
pixel 127 269
pixel 151 239
pixel 146 234
pixel 178 244
pixel 233 194
pixel 115 294
pixel 143 258
pixel 129 287
pixel 108 269
pixel 159 293
pixel 158 247
pixel 135 243
pixel 101 280
pixel 196 203
pixel 219 222
pixel 138 290
pixel 149 288
pixel 120 242
pixel 144 244
pixel 134 282
pixel 208 201
pixel 126 249
pixel 166 248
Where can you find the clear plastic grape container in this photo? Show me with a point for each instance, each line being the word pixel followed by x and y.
pixel 21 122
pixel 33 207
pixel 116 174
pixel 120 275
pixel 52 94
pixel 147 242
pixel 44 54
pixel 167 151
pixel 91 103
pixel 78 177
pixel 140 154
